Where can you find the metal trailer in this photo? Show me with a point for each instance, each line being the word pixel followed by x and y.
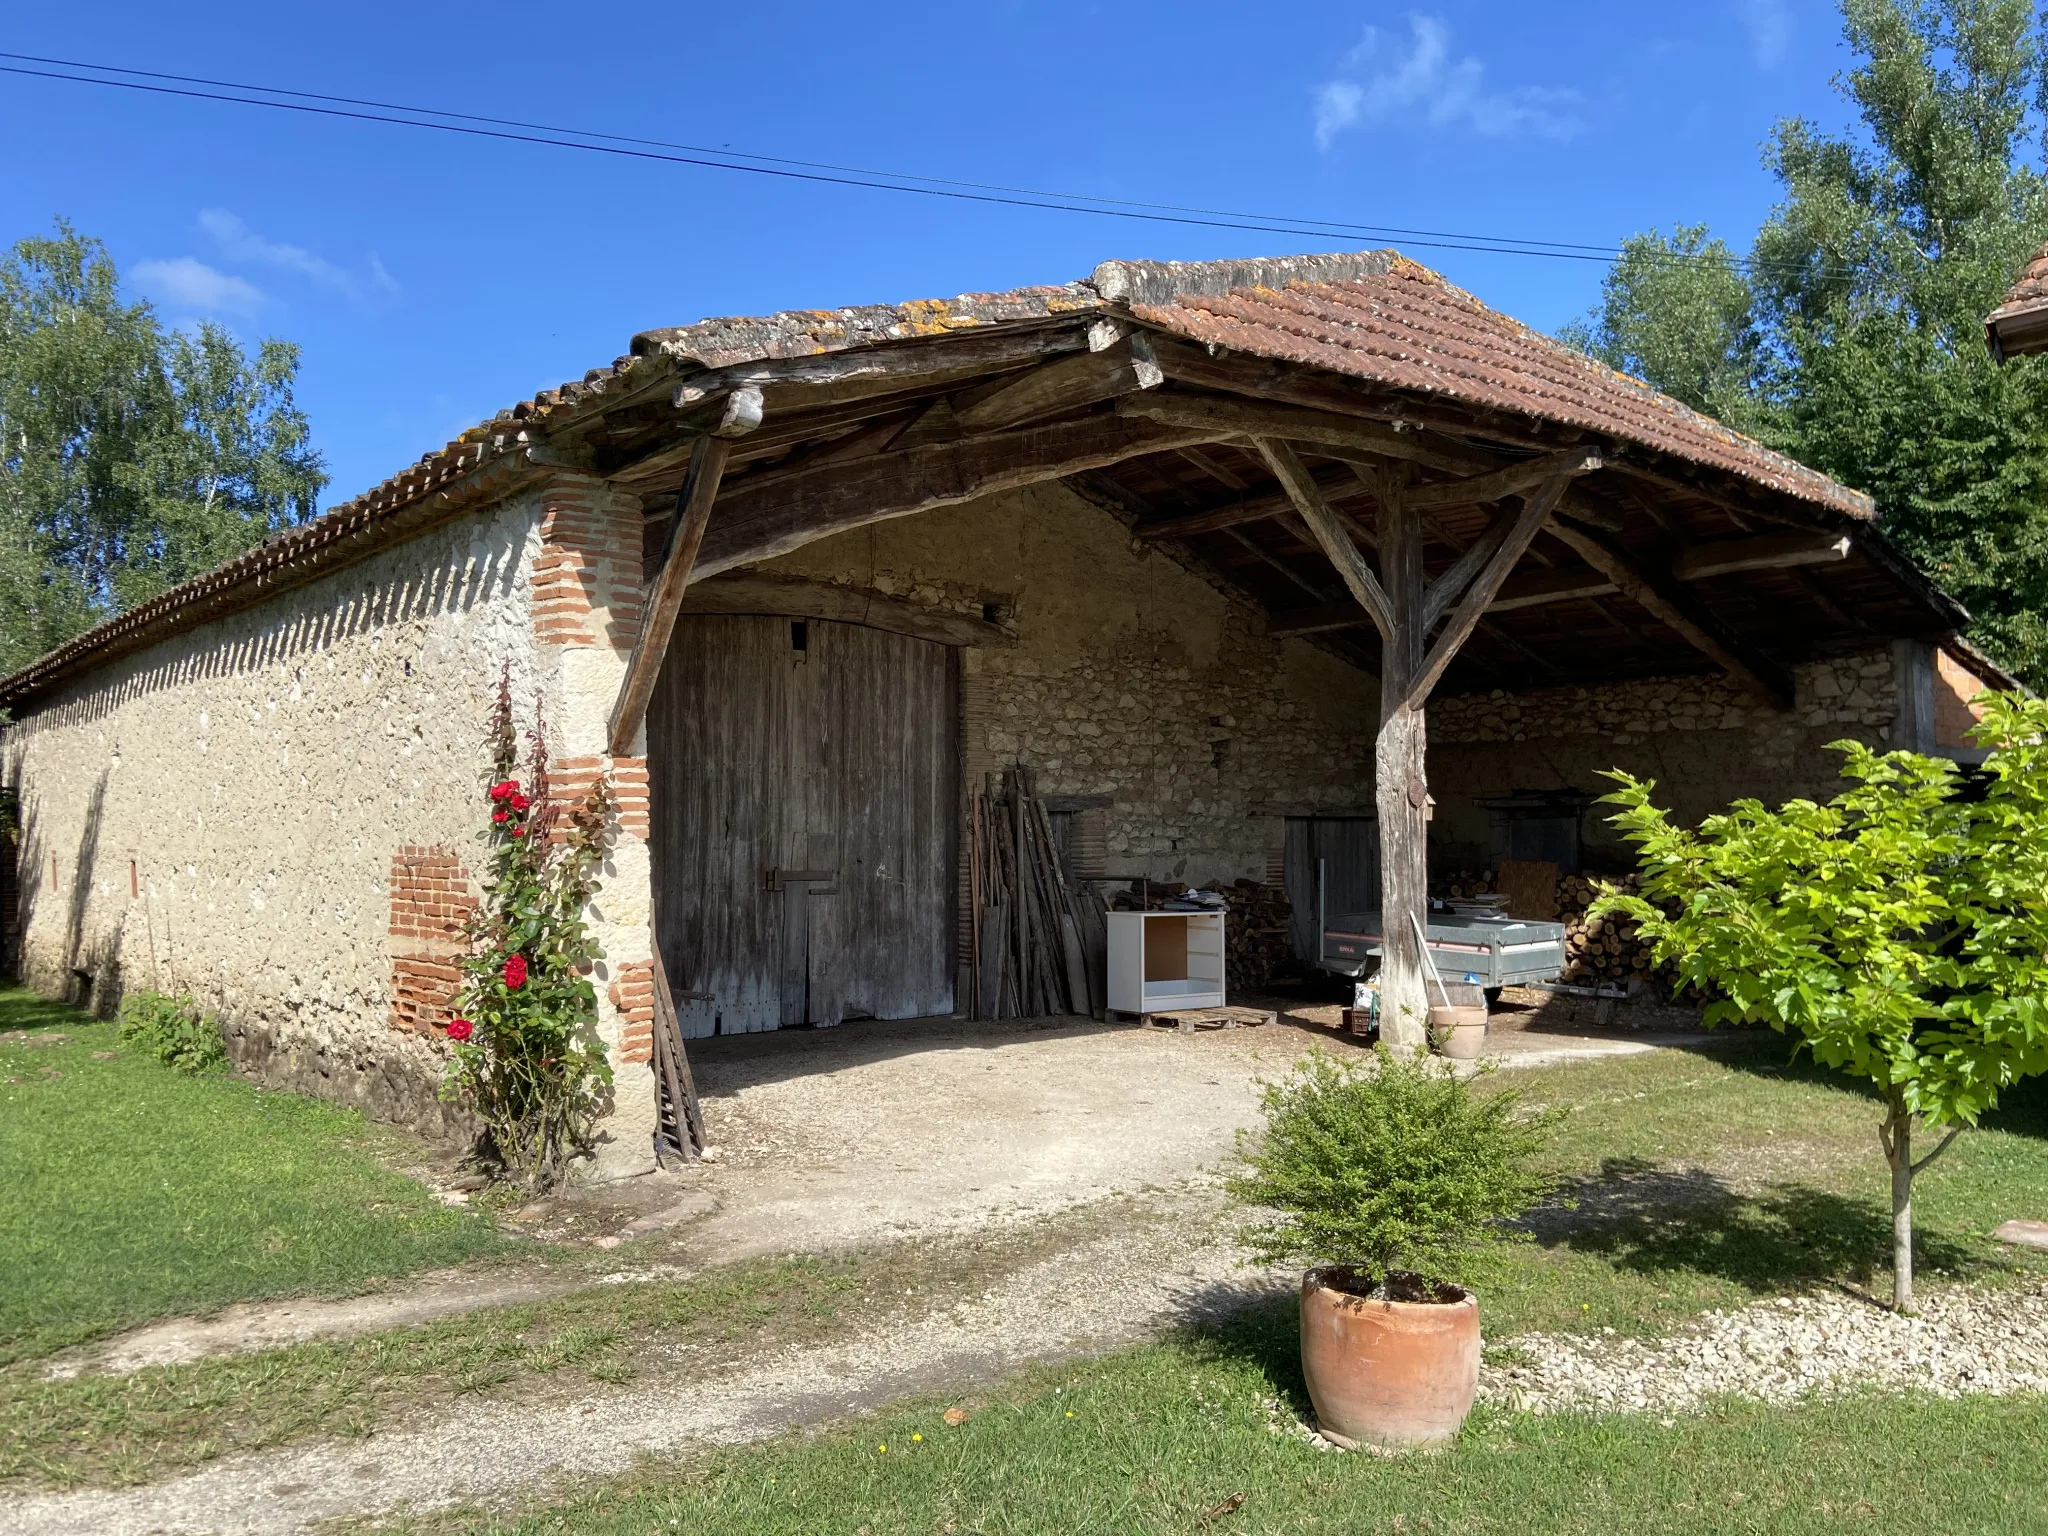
pixel 1482 950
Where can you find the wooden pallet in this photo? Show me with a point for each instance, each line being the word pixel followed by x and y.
pixel 1188 1020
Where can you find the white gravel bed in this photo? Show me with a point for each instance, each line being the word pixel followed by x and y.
pixel 1965 1341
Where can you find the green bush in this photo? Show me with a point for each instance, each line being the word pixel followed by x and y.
pixel 1391 1168
pixel 173 1030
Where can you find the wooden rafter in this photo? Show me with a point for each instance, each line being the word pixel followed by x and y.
pixel 1485 583
pixel 1666 601
pixel 1510 480
pixel 1249 418
pixel 1064 384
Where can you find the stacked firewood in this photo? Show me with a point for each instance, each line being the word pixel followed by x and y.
pixel 1258 938
pixel 1603 950
pixel 1031 922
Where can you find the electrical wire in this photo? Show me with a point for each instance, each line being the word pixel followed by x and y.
pixel 514 130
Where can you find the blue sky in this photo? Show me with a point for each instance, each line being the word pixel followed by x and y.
pixel 432 279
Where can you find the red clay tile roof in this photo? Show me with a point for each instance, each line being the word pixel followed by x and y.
pixel 1370 314
pixel 1382 317
pixel 2013 327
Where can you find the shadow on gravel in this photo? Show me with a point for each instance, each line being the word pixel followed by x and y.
pixel 1645 1218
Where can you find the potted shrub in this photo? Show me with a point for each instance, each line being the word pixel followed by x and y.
pixel 1383 1176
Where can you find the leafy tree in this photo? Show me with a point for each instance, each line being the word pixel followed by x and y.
pixel 132 456
pixel 1852 335
pixel 1898 931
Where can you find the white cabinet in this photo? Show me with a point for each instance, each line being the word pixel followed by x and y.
pixel 1162 961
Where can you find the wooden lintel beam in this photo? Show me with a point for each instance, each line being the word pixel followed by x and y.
pixel 770 514
pixel 1767 551
pixel 1255 419
pixel 1329 531
pixel 1076 380
pixel 1509 480
pixel 1672 606
pixel 766 592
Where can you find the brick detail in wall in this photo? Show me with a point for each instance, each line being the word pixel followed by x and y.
pixel 431 899
pixel 1955 685
pixel 570 779
pixel 633 995
pixel 589 560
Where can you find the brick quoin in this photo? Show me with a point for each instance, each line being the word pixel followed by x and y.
pixel 633 995
pixel 589 559
pixel 431 900
pixel 570 779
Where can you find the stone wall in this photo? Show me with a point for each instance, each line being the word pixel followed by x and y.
pixel 220 814
pixel 1703 740
pixel 1131 678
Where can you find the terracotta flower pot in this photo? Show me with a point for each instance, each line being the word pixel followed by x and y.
pixel 1459 1033
pixel 1388 1373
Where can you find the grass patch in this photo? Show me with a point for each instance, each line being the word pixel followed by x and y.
pixel 1162 1439
pixel 135 1192
pixel 132 1428
pixel 1711 1178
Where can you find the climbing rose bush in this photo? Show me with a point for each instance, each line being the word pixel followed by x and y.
pixel 524 1053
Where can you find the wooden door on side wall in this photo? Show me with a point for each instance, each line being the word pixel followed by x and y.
pixel 803 781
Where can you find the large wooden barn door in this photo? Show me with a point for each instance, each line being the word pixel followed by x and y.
pixel 804 784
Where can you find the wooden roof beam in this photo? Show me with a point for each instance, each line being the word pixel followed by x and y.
pixel 1668 602
pixel 772 513
pixel 1509 480
pixel 1768 551
pixel 1080 379
pixel 1254 419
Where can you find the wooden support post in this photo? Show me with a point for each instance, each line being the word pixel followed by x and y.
pixel 679 560
pixel 1401 774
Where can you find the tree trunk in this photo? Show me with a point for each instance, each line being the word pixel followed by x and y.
pixel 1897 1136
pixel 1401 786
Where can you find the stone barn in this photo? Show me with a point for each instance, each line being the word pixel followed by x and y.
pixel 1248 562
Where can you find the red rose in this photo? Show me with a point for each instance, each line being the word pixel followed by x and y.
pixel 515 972
pixel 520 802
pixel 460 1029
pixel 519 831
pixel 500 815
pixel 505 790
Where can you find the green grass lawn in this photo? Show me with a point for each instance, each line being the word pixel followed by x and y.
pixel 1162 1439
pixel 1711 1178
pixel 133 1192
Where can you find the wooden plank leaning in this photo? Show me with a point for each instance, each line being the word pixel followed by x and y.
pixel 679 1123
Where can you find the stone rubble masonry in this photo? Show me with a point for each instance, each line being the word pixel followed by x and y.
pixel 632 995
pixel 431 901
pixel 1131 678
pixel 1853 691
pixel 262 773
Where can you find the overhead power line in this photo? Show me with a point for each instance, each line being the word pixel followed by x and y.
pixel 514 130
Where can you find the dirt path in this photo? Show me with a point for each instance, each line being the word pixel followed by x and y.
pixel 1085 1298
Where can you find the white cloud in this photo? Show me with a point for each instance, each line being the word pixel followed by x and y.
pixel 189 284
pixel 1426 84
pixel 238 242
pixel 1769 25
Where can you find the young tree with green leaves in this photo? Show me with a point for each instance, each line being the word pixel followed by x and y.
pixel 132 456
pixel 1851 336
pixel 1899 932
